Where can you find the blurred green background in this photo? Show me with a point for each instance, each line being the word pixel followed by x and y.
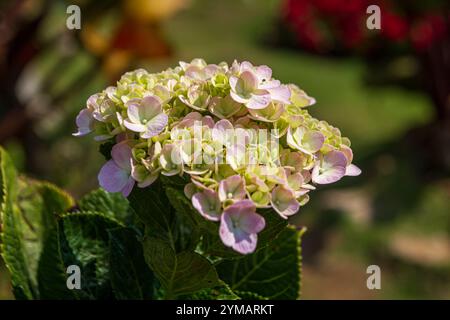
pixel 395 215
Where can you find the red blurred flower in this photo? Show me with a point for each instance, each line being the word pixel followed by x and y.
pixel 393 26
pixel 428 30
pixel 324 25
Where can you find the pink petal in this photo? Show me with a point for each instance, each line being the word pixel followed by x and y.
pixel 208 121
pixel 233 82
pixel 264 73
pixel 247 82
pixel 295 180
pixel 128 187
pixel 271 84
pixel 155 126
pixel 236 155
pixel 121 154
pixel 252 223
pixel 150 107
pixel 352 170
pixel 331 169
pixel 219 132
pixel 210 70
pixel 143 176
pixel 236 97
pixel 334 159
pixel 161 92
pixel 188 103
pixel 313 141
pixel 189 120
pixel 269 114
pixel 189 190
pixel 283 201
pixel 84 123
pixel 193 115
pixel 245 243
pixel 259 100
pixel 232 188
pixel 195 72
pixel 91 102
pixel 223 107
pixel 329 176
pixel 232 232
pixel 112 178
pixel 136 127
pixel 241 207
pixel 133 111
pixel 226 230
pixel 281 93
pixel 207 204
pixel 245 65
pixel 348 154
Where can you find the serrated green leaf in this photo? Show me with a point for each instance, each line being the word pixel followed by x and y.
pixel 222 292
pixel 182 205
pixel 114 205
pixel 29 212
pixel 160 219
pixel 246 295
pixel 274 226
pixel 12 246
pixel 51 270
pixel 179 273
pixel 272 272
pixel 85 243
pixel 184 208
pixel 130 276
pixel 153 213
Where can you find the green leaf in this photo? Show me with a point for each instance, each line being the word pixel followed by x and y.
pixel 160 219
pixel 29 210
pixel 246 295
pixel 222 292
pixel 274 226
pixel 273 272
pixel 114 205
pixel 151 210
pixel 12 243
pixel 130 276
pixel 179 273
pixel 182 206
pixel 51 269
pixel 85 242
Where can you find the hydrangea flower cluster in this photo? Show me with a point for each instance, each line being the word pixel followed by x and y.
pixel 213 124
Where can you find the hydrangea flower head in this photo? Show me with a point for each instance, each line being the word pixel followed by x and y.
pixel 242 140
